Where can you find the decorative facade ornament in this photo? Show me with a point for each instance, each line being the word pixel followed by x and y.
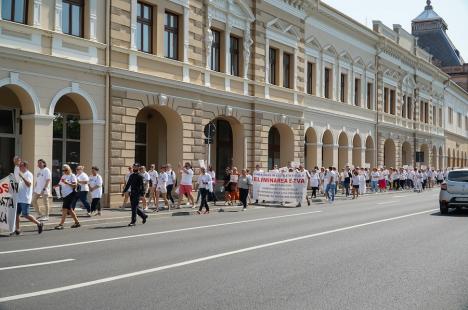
pixel 208 41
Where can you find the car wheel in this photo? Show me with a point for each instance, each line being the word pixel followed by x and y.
pixel 443 208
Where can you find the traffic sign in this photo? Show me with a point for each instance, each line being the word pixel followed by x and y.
pixel 209 130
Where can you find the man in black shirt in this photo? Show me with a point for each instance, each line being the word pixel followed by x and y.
pixel 137 190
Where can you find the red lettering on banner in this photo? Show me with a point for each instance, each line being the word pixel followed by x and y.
pixel 4 188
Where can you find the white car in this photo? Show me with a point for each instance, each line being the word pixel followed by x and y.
pixel 454 191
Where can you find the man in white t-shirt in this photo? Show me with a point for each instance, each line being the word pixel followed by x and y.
pixel 146 182
pixel 95 187
pixel 186 183
pixel 24 197
pixel 42 189
pixel 171 181
pixel 161 187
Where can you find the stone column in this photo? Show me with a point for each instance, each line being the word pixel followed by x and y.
pixel 335 155
pixel 318 150
pixel 36 13
pixel 227 55
pixel 267 68
pixel 58 16
pixel 37 139
pixel 186 26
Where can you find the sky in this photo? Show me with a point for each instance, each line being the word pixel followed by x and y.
pixel 454 12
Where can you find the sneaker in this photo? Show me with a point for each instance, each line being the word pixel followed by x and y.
pixel 88 214
pixel 131 224
pixel 44 219
pixel 18 232
pixel 243 209
pixel 76 225
pixel 146 210
pixel 40 227
pixel 58 227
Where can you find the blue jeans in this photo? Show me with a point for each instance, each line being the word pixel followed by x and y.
pixel 83 197
pixel 331 189
pixel 374 186
pixel 22 208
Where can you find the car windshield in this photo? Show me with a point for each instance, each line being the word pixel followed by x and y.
pixel 458 176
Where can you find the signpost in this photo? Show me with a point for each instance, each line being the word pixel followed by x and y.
pixel 209 131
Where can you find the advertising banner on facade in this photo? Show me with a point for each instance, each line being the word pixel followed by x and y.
pixel 280 186
pixel 7 204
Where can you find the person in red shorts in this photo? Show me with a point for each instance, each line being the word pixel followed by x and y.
pixel 185 187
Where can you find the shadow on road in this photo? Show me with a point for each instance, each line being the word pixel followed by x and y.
pixel 454 213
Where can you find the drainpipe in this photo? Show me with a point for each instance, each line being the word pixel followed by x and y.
pixel 107 101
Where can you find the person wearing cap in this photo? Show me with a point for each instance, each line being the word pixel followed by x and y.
pixel 42 189
pixel 67 184
pixel 137 190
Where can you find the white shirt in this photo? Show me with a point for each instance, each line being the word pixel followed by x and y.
pixel 67 189
pixel 25 192
pixel 355 179
pixel 212 175
pixel 234 178
pixel 146 177
pixel 93 182
pixel 81 178
pixel 153 177
pixel 162 180
pixel 205 181
pixel 171 177
pixel 41 178
pixel 187 177
pixel 314 180
pixel 375 176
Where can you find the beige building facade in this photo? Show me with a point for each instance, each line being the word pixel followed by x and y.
pixel 110 83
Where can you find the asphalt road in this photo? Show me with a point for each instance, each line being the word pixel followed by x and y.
pixel 390 251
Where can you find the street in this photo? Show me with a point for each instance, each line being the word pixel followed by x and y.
pixel 383 251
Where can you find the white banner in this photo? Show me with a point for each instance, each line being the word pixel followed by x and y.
pixel 7 206
pixel 280 187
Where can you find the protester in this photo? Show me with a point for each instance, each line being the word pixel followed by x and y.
pixel 314 181
pixel 375 177
pixel 24 198
pixel 233 190
pixel 95 187
pixel 153 174
pixel 258 170
pixel 68 184
pixel 333 177
pixel 82 190
pixel 161 187
pixel 355 181
pixel 185 187
pixel 126 194
pixel 244 183
pixel 42 189
pixel 205 186
pixel 171 182
pixel 146 186
pixel 136 185
pixel 212 174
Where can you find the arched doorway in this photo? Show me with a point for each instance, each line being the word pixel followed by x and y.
pixel 310 149
pixel 425 151
pixel 72 141
pixel 342 151
pixel 434 157
pixel 389 154
pixel 280 146
pixel 16 134
pixel 327 149
pixel 406 154
pixel 357 147
pixel 370 151
pixel 158 136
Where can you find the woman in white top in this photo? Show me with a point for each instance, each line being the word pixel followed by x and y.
pixel 82 189
pixel 67 184
pixel 153 174
pixel 314 181
pixel 212 174
pixel 95 187
pixel 171 181
pixel 161 187
pixel 355 181
pixel 205 185
pixel 186 182
pixel 375 177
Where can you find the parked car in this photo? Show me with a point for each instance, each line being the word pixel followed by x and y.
pixel 454 191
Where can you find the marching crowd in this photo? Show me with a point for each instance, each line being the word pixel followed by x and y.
pixel 147 187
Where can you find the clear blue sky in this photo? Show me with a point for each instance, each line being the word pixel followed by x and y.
pixel 454 12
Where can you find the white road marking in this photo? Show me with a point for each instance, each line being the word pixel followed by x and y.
pixel 402 196
pixel 156 233
pixel 37 264
pixel 387 202
pixel 199 260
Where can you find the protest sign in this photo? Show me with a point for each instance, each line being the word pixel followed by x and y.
pixel 7 204
pixel 280 187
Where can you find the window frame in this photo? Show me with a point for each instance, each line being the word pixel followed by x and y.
pixel 327 85
pixel 12 13
pixel 175 33
pixel 357 92
pixel 234 55
pixel 311 81
pixel 287 70
pixel 215 46
pixel 141 21
pixel 71 3
pixel 343 87
pixel 370 89
pixel 273 59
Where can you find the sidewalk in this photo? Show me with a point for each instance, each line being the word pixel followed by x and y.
pixel 122 215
